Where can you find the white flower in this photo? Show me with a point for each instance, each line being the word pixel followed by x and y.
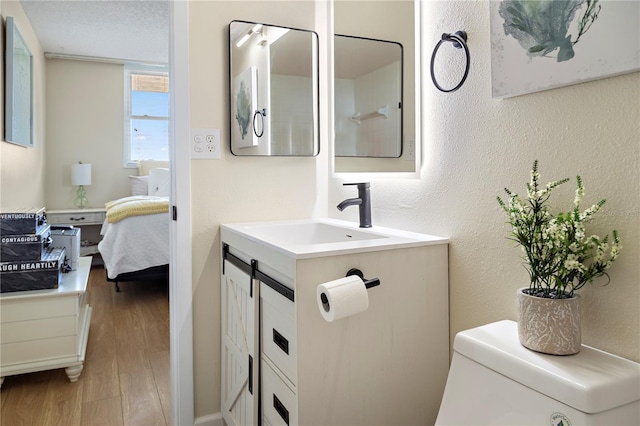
pixel 600 251
pixel 572 264
pixel 555 249
pixel 615 250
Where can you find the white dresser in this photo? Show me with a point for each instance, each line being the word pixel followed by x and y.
pixel 46 329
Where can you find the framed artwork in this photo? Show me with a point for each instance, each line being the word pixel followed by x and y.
pixel 18 108
pixel 540 45
pixel 244 104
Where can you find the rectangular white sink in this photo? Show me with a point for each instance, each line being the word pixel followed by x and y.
pixel 327 237
pixel 310 232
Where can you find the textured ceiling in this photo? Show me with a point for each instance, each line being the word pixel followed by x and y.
pixel 134 30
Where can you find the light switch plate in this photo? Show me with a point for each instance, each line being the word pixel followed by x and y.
pixel 205 144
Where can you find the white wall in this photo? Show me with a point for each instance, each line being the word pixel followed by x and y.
pixel 345 132
pixel 78 116
pixel 378 136
pixel 474 146
pixel 364 95
pixel 22 170
pixel 292 126
pixel 85 113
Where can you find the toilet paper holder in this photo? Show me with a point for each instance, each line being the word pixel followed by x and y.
pixel 324 300
pixel 367 283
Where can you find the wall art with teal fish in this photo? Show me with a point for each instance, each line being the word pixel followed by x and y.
pixel 540 45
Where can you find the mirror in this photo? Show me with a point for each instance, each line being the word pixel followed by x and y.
pixel 394 23
pixel 368 97
pixel 273 76
pixel 18 121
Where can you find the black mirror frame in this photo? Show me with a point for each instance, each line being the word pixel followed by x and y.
pixel 316 126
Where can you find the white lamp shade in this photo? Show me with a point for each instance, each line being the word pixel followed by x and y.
pixel 81 174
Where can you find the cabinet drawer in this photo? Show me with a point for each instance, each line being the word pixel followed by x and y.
pixel 279 402
pixel 79 218
pixel 278 324
pixel 31 308
pixel 37 350
pixel 22 331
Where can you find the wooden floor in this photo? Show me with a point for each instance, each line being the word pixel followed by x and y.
pixel 125 380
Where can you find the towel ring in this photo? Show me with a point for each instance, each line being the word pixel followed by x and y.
pixel 459 41
pixel 261 113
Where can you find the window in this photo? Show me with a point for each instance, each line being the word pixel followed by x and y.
pixel 146 115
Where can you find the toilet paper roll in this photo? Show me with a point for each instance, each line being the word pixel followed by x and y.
pixel 343 297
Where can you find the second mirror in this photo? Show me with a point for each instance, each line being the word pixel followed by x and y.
pixel 368 97
pixel 273 89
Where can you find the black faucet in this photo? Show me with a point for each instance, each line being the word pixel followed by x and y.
pixel 363 202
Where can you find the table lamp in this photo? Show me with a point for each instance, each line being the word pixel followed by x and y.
pixel 81 177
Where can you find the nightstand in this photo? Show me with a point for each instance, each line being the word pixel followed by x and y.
pixel 90 220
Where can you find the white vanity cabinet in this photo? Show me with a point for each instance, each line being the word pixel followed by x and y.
pixel 386 365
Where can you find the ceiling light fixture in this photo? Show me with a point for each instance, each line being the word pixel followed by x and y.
pixel 256 28
pixel 243 39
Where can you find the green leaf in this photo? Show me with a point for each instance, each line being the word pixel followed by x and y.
pixel 514 12
pixel 537 48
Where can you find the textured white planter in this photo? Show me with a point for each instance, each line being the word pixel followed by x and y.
pixel 550 326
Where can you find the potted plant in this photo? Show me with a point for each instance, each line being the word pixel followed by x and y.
pixel 561 258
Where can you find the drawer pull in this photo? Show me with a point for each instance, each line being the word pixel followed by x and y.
pixel 281 341
pixel 78 218
pixel 250 375
pixel 281 409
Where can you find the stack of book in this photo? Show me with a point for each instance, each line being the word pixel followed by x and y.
pixel 27 260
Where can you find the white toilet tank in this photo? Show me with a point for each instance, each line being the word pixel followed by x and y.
pixel 494 380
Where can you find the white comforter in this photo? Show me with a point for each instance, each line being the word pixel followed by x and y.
pixel 135 243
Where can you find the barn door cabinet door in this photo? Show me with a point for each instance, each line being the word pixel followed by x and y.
pixel 239 343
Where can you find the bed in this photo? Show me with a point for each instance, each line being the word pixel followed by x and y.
pixel 135 234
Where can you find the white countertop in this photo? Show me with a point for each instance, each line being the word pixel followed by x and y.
pixel 307 238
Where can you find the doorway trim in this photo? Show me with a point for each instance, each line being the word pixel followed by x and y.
pixel 180 279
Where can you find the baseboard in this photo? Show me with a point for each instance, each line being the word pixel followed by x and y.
pixel 210 420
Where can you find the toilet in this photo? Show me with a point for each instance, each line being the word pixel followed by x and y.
pixel 494 380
